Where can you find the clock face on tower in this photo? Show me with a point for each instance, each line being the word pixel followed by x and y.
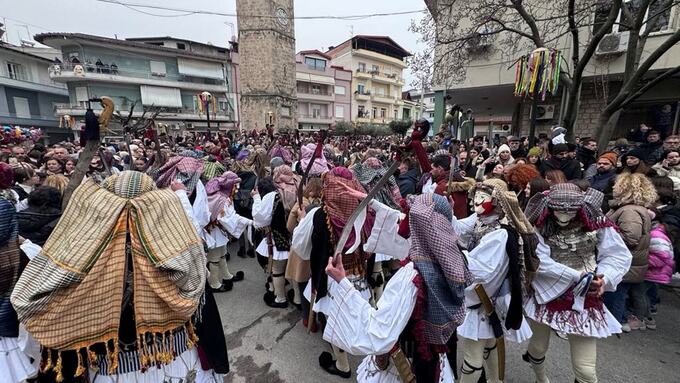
pixel 282 17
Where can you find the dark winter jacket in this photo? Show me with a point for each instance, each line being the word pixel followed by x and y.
pixel 586 157
pixel 653 152
pixel 407 182
pixel 37 223
pixel 601 180
pixel 570 167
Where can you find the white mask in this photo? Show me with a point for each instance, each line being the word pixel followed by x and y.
pixel 563 218
pixel 483 202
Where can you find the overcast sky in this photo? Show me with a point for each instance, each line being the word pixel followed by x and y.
pixel 93 17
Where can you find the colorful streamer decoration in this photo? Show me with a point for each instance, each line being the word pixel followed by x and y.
pixel 538 73
pixel 205 100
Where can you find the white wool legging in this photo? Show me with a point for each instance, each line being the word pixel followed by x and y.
pixel 217 267
pixel 478 354
pixel 583 354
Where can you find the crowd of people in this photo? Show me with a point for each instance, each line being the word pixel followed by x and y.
pixel 463 245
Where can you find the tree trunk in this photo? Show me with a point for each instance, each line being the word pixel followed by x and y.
pixel 90 150
pixel 606 126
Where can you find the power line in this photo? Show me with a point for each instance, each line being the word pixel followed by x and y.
pixel 189 12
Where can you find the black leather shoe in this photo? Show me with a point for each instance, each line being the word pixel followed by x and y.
pixel 226 286
pixel 270 300
pixel 333 370
pixel 326 360
pixel 251 252
pixel 236 277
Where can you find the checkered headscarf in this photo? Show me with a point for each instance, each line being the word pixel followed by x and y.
pixel 187 170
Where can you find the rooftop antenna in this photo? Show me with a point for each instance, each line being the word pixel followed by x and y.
pixel 351 31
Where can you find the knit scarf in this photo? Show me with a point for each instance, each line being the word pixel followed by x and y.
pixel 70 295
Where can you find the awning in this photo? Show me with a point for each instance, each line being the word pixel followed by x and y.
pixel 201 69
pixel 159 96
pixel 314 78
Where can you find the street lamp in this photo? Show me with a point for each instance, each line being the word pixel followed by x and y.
pixel 206 99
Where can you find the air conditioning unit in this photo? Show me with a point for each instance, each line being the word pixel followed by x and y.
pixel 613 44
pixel 545 112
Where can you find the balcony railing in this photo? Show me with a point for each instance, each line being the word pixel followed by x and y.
pixel 363 92
pixel 315 116
pixel 114 70
pixel 123 111
pixel 316 93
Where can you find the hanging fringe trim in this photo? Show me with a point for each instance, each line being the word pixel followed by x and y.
pixel 48 361
pixel 559 312
pixel 57 369
pixel 538 73
pixel 80 370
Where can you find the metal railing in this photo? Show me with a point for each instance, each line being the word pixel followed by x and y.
pixel 315 117
pixel 164 110
pixel 114 70
pixel 315 93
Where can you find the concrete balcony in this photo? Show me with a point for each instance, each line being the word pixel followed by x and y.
pixel 387 78
pixel 34 120
pixel 383 99
pixel 64 73
pixel 58 89
pixel 365 120
pixel 365 96
pixel 174 114
pixel 319 96
pixel 362 74
pixel 312 119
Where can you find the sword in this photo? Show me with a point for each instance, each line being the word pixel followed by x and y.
pixel 496 326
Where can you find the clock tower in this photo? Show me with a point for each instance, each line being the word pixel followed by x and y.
pixel 267 64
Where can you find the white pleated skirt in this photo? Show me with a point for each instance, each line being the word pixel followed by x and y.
pixel 15 365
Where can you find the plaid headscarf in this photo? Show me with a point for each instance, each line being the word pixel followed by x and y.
pixel 435 254
pixel 70 295
pixel 281 151
pixel 186 169
pixel 369 173
pixel 320 164
pixel 212 169
pixel 338 205
pixel 220 190
pixel 567 196
pixel 287 184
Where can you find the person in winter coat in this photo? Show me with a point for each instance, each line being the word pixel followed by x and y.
pixel 560 160
pixel 634 193
pixel 39 219
pixel 653 148
pixel 408 178
pixel 587 153
pixel 670 167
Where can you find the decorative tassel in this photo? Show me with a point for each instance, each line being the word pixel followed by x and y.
pixel 172 346
pixel 48 362
pixel 192 333
pixel 155 356
pixel 57 369
pixel 81 367
pixel 143 352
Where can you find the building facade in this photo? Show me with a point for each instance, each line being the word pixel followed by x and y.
pixel 160 73
pixel 27 93
pixel 377 64
pixel 488 86
pixel 323 91
pixel 425 104
pixel 267 70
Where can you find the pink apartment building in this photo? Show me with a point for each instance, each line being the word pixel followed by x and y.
pixel 323 91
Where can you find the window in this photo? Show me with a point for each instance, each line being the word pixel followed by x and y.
pixel 81 95
pixel 375 69
pixel 406 114
pixel 315 64
pixel 16 71
pixel 362 67
pixel 157 68
pixel 380 92
pixel 316 89
pixel 375 112
pixel 383 112
pixel 339 89
pixel 21 107
pixel 316 111
pixel 396 114
pixel 340 111
pixel 361 111
pixel 361 89
pixel 657 16
pixel 181 46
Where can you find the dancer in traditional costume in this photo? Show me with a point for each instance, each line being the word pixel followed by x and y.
pixel 500 243
pixel 581 256
pixel 368 173
pixel 118 297
pixel 269 217
pixel 15 364
pixel 225 228
pixel 322 229
pixel 421 305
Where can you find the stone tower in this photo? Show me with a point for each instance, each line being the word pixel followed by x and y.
pixel 267 64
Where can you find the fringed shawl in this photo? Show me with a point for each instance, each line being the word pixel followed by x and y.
pixel 70 295
pixel 287 185
pixel 188 170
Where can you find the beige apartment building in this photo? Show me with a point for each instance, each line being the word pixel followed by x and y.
pixel 489 83
pixel 377 65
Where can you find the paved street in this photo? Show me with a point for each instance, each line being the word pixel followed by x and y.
pixel 271 345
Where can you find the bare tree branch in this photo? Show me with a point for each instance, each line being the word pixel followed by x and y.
pixel 651 84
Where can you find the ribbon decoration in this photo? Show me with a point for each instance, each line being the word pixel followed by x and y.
pixel 538 73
